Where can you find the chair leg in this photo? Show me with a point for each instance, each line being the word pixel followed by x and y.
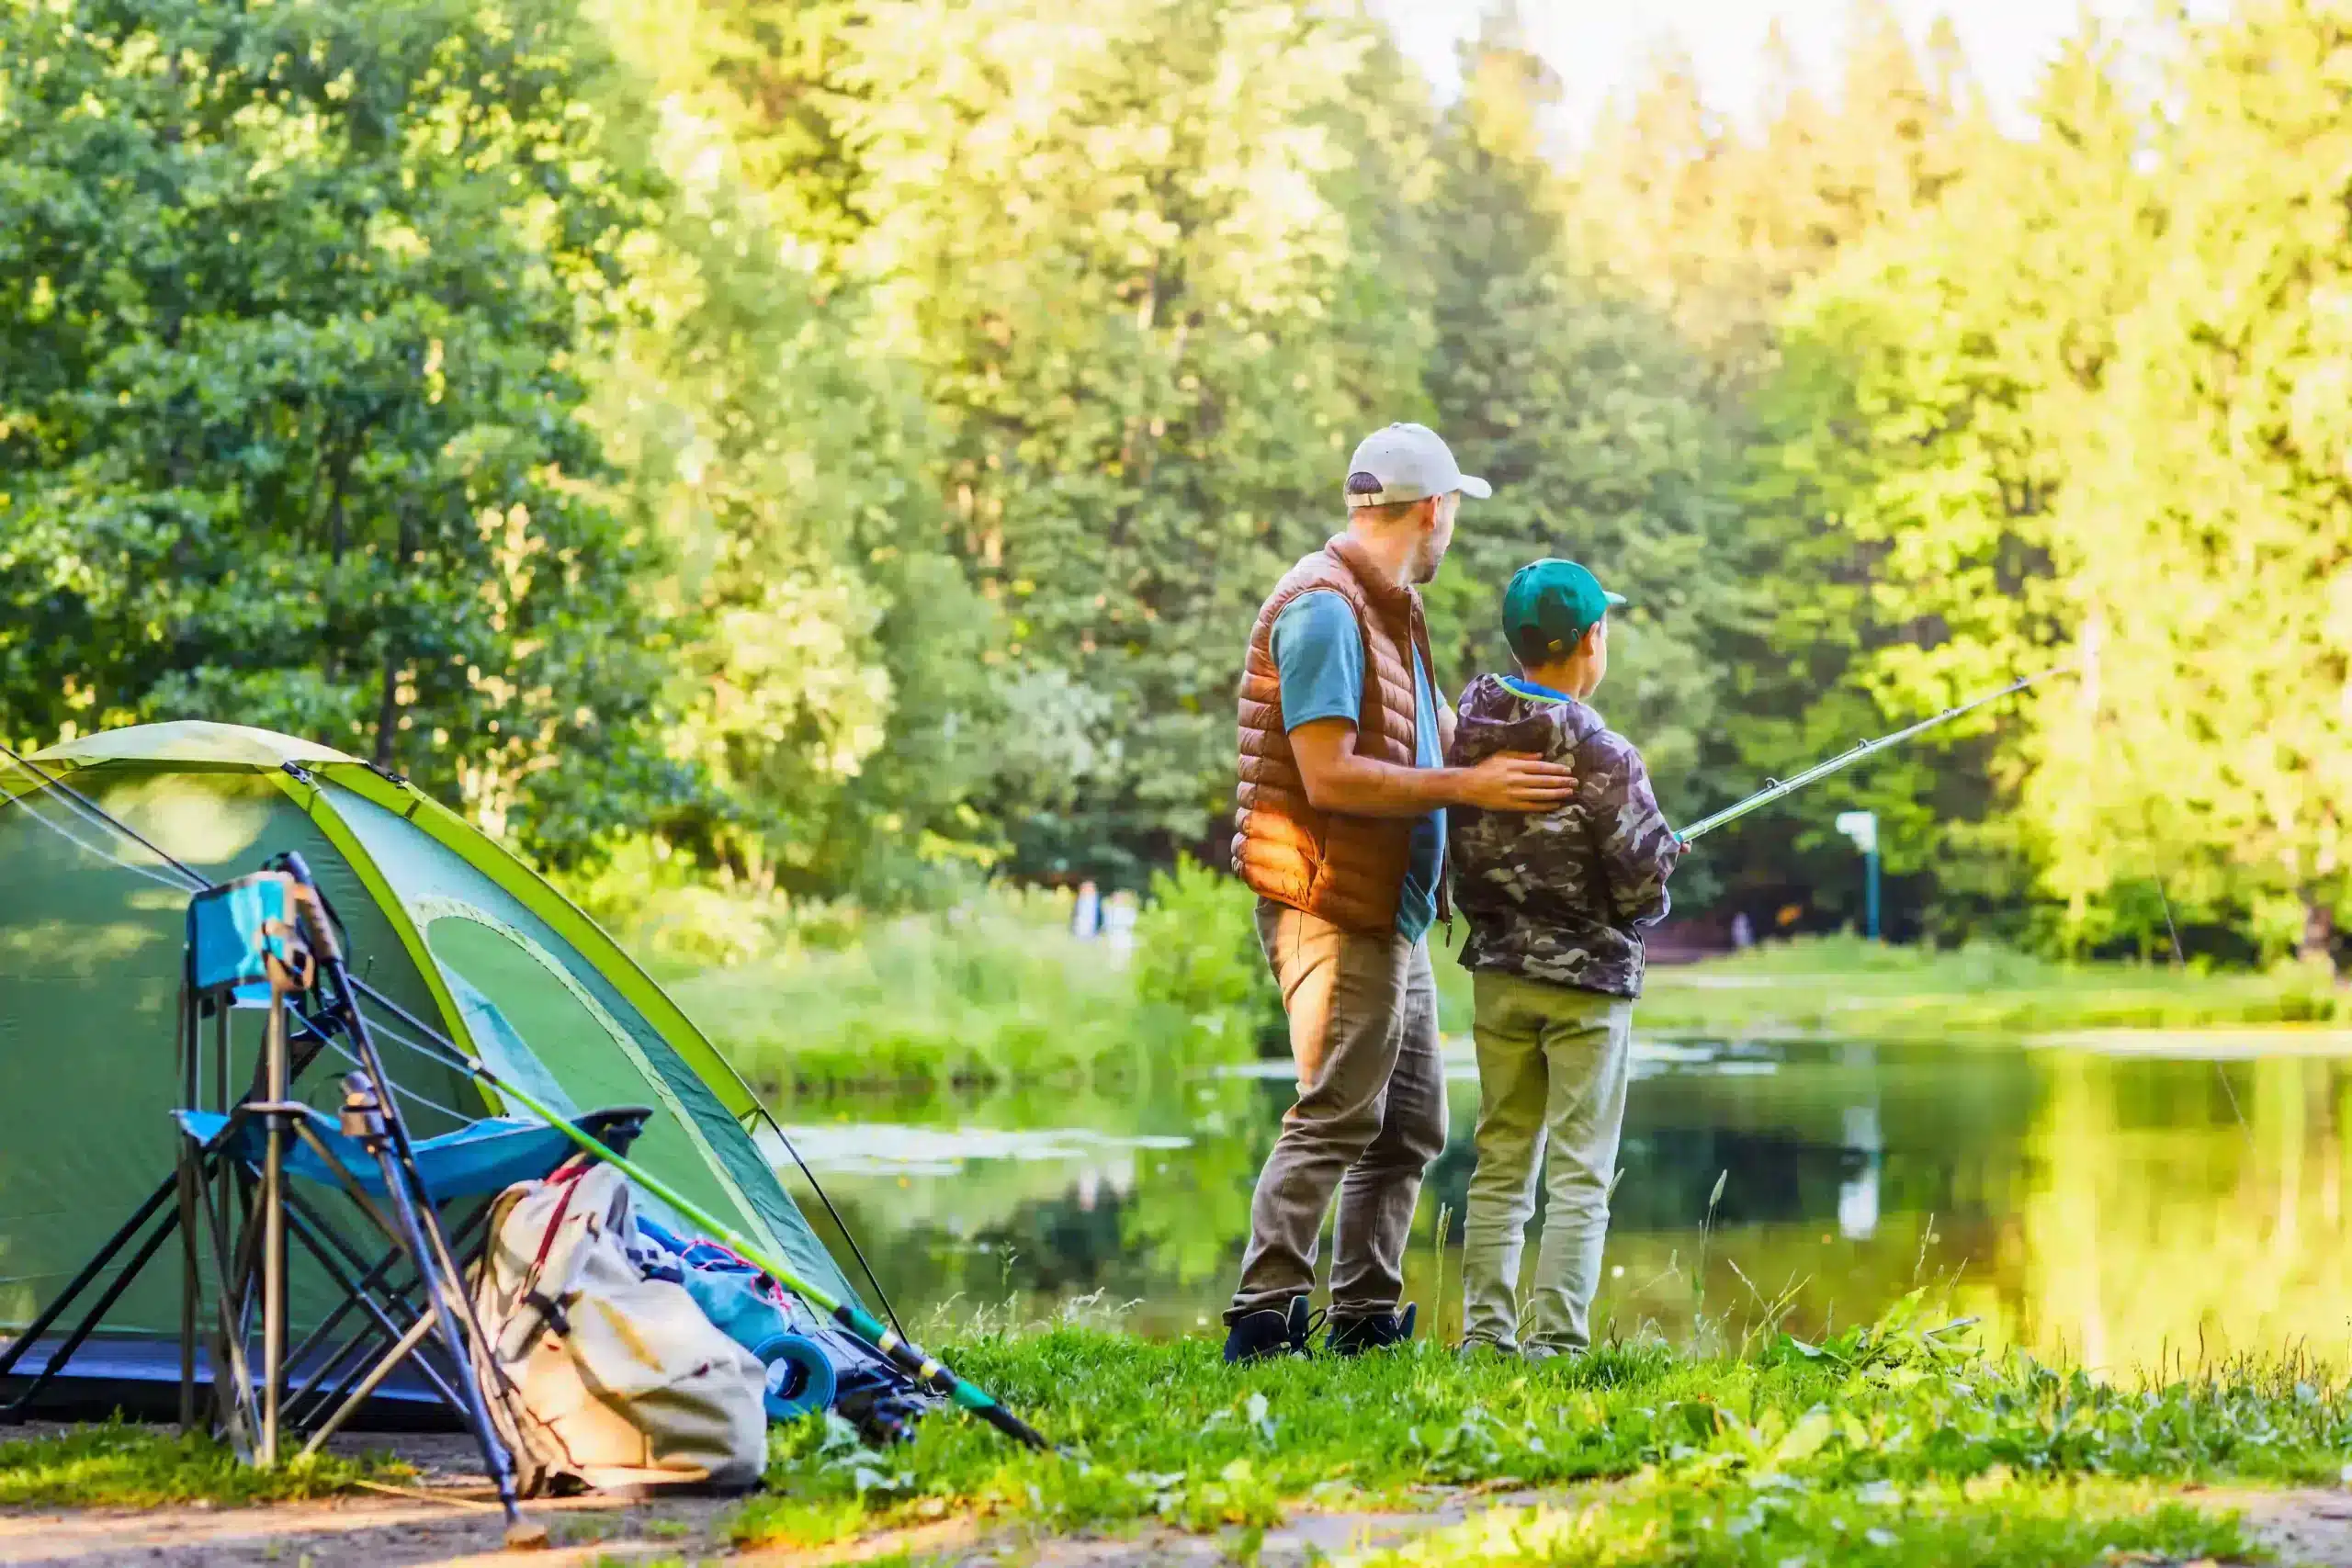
pixel 57 1308
pixel 400 1351
pixel 385 1323
pixel 232 1379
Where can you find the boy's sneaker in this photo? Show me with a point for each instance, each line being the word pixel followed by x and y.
pixel 1256 1336
pixel 1355 1336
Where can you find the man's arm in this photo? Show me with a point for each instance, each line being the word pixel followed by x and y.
pixel 1337 779
pixel 1320 655
pixel 1637 850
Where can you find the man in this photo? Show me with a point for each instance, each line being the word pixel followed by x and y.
pixel 1340 832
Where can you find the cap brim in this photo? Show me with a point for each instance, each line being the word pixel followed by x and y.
pixel 1475 488
pixel 1615 599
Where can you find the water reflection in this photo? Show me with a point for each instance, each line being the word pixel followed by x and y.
pixel 2120 1199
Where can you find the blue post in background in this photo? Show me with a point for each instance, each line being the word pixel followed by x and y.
pixel 1862 828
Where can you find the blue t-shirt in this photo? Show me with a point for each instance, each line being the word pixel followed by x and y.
pixel 1320 653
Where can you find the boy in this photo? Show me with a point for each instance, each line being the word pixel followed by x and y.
pixel 1556 905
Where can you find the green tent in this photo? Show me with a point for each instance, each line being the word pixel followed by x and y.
pixel 441 920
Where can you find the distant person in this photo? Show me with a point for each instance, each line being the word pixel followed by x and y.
pixel 1119 912
pixel 1556 905
pixel 1341 833
pixel 1087 917
pixel 1743 930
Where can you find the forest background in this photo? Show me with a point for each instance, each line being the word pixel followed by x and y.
pixel 826 453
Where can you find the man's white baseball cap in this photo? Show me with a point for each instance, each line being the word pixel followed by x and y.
pixel 1406 462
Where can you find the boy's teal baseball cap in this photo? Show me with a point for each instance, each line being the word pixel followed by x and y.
pixel 1549 605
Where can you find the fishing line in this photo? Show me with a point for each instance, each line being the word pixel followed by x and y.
pixel 1844 760
pixel 839 1225
pixel 2180 963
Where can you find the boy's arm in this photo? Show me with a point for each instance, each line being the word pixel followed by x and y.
pixel 1637 850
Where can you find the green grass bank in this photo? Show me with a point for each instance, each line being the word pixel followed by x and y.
pixel 1898 1443
pixel 997 992
pixel 1894 1444
pixel 1845 986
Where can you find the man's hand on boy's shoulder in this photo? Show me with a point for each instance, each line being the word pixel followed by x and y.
pixel 1518 780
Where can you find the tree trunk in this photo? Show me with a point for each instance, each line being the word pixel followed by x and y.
pixel 388 703
pixel 387 708
pixel 2319 929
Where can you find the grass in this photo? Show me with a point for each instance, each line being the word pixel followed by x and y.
pixel 1894 1443
pixel 116 1465
pixel 2001 1522
pixel 998 992
pixel 1850 987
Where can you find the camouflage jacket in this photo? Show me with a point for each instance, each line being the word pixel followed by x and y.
pixel 1562 898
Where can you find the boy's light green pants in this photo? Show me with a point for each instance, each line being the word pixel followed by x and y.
pixel 1553 1064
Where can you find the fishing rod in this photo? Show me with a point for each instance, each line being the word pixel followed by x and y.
pixel 1845 760
pixel 909 1358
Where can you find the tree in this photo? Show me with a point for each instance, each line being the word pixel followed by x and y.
pixel 1589 416
pixel 2214 525
pixel 1141 256
pixel 289 390
pixel 829 686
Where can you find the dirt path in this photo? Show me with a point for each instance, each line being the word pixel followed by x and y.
pixel 442 1520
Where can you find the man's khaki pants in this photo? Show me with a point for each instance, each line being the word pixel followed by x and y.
pixel 1370 1116
pixel 1552 1068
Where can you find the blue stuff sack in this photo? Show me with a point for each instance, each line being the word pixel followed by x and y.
pixel 756 1313
pixel 800 1376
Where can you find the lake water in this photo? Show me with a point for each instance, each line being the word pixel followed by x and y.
pixel 2123 1199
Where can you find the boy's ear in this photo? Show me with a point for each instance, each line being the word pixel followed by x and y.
pixel 1590 642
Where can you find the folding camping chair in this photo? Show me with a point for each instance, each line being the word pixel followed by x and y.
pixel 156 1219
pixel 394 1246
pixel 314 1387
pixel 237 1189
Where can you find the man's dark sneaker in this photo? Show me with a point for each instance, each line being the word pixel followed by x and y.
pixel 1355 1336
pixel 1258 1335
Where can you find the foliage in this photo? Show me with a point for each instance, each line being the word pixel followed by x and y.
pixel 113 1464
pixel 1120 243
pixel 2070 415
pixel 996 991
pixel 290 389
pixel 1196 947
pixel 834 693
pixel 1845 986
pixel 1703 1451
pixel 833 451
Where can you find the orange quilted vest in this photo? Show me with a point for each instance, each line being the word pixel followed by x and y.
pixel 1347 870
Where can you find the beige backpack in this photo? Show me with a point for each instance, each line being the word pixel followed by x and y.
pixel 595 1373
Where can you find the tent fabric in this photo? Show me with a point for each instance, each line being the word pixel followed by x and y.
pixel 440 919
pixel 191 740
